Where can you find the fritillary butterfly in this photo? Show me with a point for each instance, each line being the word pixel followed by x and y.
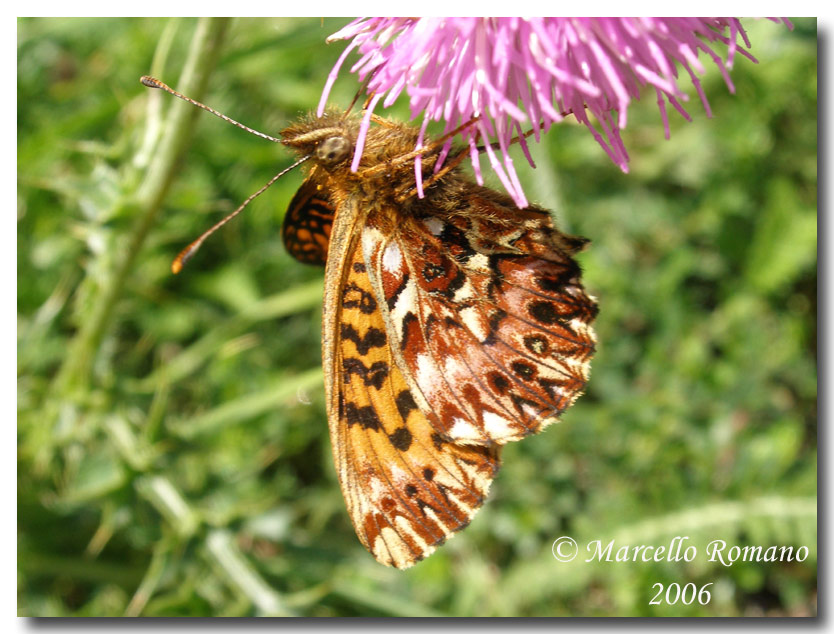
pixel 453 324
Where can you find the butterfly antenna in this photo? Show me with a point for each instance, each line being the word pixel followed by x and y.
pixel 187 253
pixel 152 82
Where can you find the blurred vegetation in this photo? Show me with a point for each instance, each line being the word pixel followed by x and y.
pixel 173 450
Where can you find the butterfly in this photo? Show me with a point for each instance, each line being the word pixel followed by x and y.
pixel 453 324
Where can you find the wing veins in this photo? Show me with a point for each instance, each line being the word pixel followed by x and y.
pixel 428 450
pixel 422 330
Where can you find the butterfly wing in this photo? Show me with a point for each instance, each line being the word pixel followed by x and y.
pixel 308 221
pixel 487 316
pixel 407 488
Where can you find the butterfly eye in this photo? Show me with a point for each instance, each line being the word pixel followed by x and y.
pixel 333 150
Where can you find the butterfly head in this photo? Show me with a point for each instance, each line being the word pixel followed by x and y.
pixel 328 140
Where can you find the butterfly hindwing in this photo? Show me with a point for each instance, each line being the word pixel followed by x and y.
pixel 488 318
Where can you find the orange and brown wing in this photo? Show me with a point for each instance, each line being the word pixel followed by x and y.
pixel 407 488
pixel 488 317
pixel 307 223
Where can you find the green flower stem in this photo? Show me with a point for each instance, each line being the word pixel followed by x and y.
pixel 80 569
pixel 169 501
pixel 294 300
pixel 242 410
pixel 152 578
pixel 74 376
pixel 239 573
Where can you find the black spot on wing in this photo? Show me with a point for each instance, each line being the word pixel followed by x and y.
pixel 365 417
pixel 355 297
pixel 544 312
pixel 405 403
pixel 523 369
pixel 423 505
pixel 455 285
pixel 457 243
pixel 392 301
pixel 499 382
pixel 409 319
pixel 401 438
pixel 374 375
pixel 374 338
pixel 536 344
pixel 438 441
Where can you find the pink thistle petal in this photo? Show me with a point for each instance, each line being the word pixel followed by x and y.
pixel 508 71
pixel 681 110
pixel 418 162
pixel 661 105
pixel 444 152
pixel 331 78
pixel 475 157
pixel 524 147
pixel 363 133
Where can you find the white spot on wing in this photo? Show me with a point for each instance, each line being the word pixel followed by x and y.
pixel 465 292
pixel 495 425
pixel 390 548
pixel 398 476
pixel 530 410
pixel 426 374
pixel 435 225
pixel 404 526
pixel 377 489
pixel 452 368
pixel 392 258
pixel 370 237
pixel 478 262
pixel 472 320
pixel 405 302
pixel 463 429
pixel 440 523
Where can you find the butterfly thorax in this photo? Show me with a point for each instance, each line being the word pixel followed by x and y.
pixel 330 142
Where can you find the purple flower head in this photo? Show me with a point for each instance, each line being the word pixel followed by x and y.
pixel 518 74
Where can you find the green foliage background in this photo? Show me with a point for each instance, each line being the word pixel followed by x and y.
pixel 173 450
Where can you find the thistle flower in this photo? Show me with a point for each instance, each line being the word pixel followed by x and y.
pixel 529 73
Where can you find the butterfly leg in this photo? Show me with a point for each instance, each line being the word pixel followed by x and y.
pixel 410 190
pixel 405 193
pixel 363 86
pixel 432 147
pixel 385 123
pixel 422 151
pixel 518 139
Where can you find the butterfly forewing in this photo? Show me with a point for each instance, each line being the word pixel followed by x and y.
pixel 407 487
pixel 307 223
